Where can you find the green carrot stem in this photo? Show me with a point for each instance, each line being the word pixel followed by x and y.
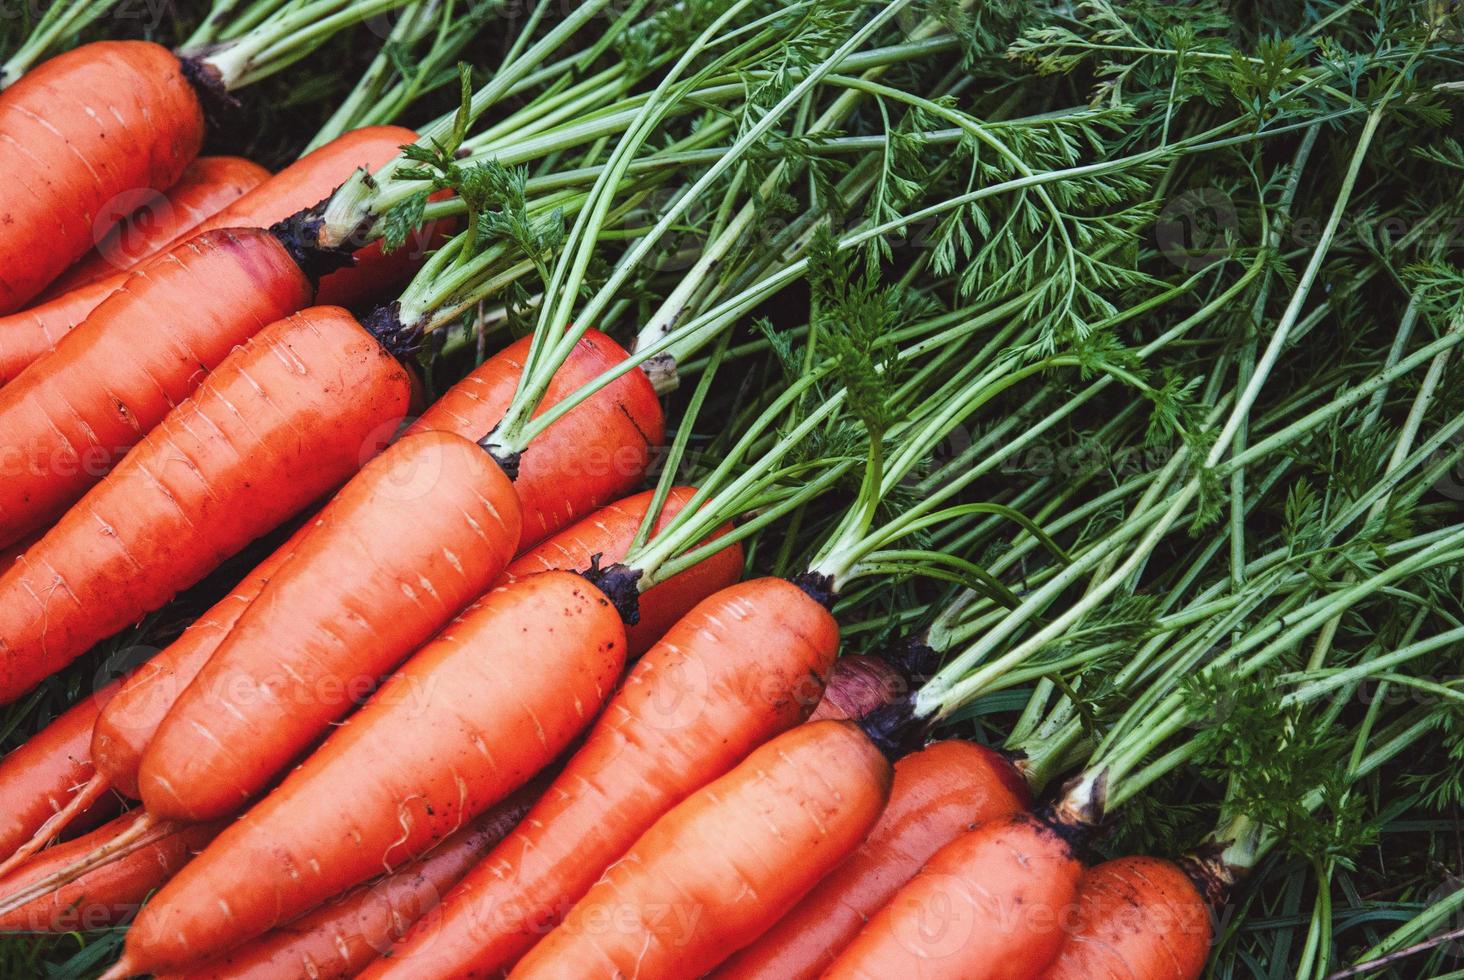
pixel 58 26
pixel 556 336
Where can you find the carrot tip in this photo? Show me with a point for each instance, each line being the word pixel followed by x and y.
pixel 618 582
pixel 895 729
pixel 508 461
pixel 1213 877
pixel 122 968
pixel 299 236
pixel 913 657
pixel 385 324
pixel 208 83
pixel 818 587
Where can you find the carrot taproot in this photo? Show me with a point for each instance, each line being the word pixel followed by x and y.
pixel 134 227
pixel 285 418
pixel 990 905
pixel 421 532
pixel 939 793
pixel 128 722
pixel 110 893
pixel 741 667
pixel 726 863
pixel 607 534
pixel 31 333
pixel 39 778
pixel 71 415
pixel 593 455
pixel 341 937
pixel 75 132
pixel 473 716
pixel 120 733
pixel 1135 917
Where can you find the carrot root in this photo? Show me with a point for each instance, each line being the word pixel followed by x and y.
pixel 88 794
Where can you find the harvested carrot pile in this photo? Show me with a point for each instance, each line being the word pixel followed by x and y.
pixel 943 489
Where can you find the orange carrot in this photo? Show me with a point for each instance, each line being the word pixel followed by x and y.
pixel 1135 917
pixel 420 533
pixel 472 717
pixel 741 667
pixel 726 863
pixel 939 793
pixel 75 132
pixel 71 415
pixel 38 779
pixel 9 554
pixel 130 718
pixel 341 937
pixel 288 416
pixel 310 180
pixel 109 893
pixel 137 226
pixel 126 727
pixel 128 723
pixel 990 905
pixel 590 457
pixel 31 333
pixel 606 534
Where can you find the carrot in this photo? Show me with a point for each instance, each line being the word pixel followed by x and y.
pixel 75 132
pixel 71 415
pixel 30 334
pixel 476 713
pixel 744 665
pixel 135 227
pixel 341 937
pixel 593 455
pixel 9 554
pixel 939 793
pixel 420 533
pixel 109 893
pixel 128 721
pixel 606 535
pixel 726 863
pixel 288 416
pixel 38 779
pixel 311 179
pixel 991 904
pixel 1135 917
pixel 127 724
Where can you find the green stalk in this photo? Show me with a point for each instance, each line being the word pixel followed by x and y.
pixel 556 337
pixel 353 203
pixel 364 105
pixel 286 37
pixel 222 24
pixel 58 26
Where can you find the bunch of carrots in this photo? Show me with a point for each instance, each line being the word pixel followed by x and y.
pixel 598 531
